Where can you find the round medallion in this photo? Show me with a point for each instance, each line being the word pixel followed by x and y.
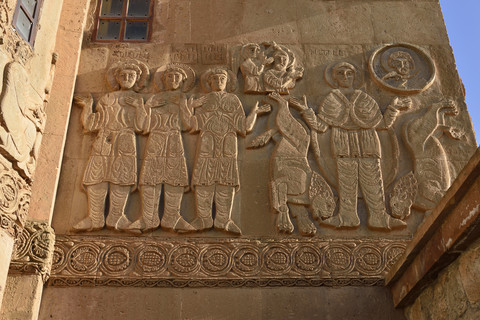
pixel 277 259
pixel 184 260
pixel 117 259
pixel 338 259
pixel 307 260
pixel 215 260
pixel 392 253
pixel 83 259
pixel 151 259
pixel 246 261
pixel 368 259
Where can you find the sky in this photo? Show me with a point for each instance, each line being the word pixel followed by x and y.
pixel 462 18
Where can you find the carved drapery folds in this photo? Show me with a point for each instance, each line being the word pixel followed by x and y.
pixel 34 248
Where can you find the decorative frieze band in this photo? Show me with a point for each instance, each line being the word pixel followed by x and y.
pixel 159 262
pixel 34 250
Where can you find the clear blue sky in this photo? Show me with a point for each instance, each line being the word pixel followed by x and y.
pixel 462 18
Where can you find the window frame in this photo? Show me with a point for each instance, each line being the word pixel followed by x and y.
pixel 123 21
pixel 36 17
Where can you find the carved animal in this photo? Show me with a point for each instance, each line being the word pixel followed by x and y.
pixel 430 160
pixel 294 186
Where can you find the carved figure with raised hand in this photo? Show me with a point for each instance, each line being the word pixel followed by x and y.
pixel 353 118
pixel 431 167
pixel 112 166
pixel 164 162
pixel 284 72
pixel 294 186
pixel 22 119
pixel 219 117
pixel 253 66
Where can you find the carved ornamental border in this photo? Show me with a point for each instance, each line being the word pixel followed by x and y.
pixel 160 262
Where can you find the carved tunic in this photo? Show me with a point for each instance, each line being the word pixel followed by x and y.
pixel 113 157
pixel 353 124
pixel 164 154
pixel 251 74
pixel 219 120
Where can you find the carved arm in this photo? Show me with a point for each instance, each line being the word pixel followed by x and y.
pixel 252 117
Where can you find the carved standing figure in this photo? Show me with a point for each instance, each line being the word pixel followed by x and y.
pixel 252 67
pixel 164 162
pixel 219 118
pixel 431 168
pixel 112 166
pixel 353 118
pixel 294 185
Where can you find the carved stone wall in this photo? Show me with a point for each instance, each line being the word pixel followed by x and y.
pixel 283 143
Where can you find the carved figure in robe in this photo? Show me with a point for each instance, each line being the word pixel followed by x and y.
pixel 252 67
pixel 402 65
pixel 283 75
pixel 219 118
pixel 430 160
pixel 22 119
pixel 294 185
pixel 353 118
pixel 164 161
pixel 112 166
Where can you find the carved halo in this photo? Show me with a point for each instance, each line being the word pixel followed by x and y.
pixel 136 65
pixel 329 70
pixel 419 80
pixel 189 74
pixel 231 82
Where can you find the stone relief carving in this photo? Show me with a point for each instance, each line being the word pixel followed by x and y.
pixel 268 67
pixel 23 120
pixel 86 261
pixel 18 49
pixel 353 118
pixel 294 186
pixel 219 118
pixel 34 249
pixel 431 167
pixel 402 68
pixel 164 162
pixel 403 196
pixel 112 166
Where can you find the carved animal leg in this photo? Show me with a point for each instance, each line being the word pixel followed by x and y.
pixel 116 218
pixel 95 220
pixel 284 224
pixel 305 226
pixel 172 219
pixel 347 217
pixel 223 203
pixel 203 202
pixel 371 182
pixel 150 196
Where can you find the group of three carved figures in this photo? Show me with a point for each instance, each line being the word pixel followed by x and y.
pixel 219 117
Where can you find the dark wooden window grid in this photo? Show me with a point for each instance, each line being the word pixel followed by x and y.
pixel 123 20
pixel 33 18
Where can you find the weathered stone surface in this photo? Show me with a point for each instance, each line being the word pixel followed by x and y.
pixel 469 270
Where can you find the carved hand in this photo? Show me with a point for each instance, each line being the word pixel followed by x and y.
pixel 401 104
pixel 455 133
pixel 262 109
pixel 195 103
pixel 82 101
pixel 299 105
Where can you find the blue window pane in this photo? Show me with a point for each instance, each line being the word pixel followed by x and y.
pixel 112 8
pixel 138 8
pixel 136 30
pixel 108 30
pixel 29 6
pixel 23 25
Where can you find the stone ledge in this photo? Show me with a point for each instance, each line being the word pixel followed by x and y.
pixel 451 227
pixel 159 262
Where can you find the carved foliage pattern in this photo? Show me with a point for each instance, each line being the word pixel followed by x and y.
pixel 34 249
pixel 79 261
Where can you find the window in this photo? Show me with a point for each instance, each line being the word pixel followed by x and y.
pixel 25 19
pixel 124 20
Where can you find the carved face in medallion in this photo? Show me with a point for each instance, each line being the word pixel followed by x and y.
pixel 173 80
pixel 126 78
pixel 218 81
pixel 344 76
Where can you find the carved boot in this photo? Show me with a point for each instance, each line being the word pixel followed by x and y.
pixel 172 220
pixel 149 220
pixel 96 204
pixel 203 202
pixel 116 218
pixel 224 202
